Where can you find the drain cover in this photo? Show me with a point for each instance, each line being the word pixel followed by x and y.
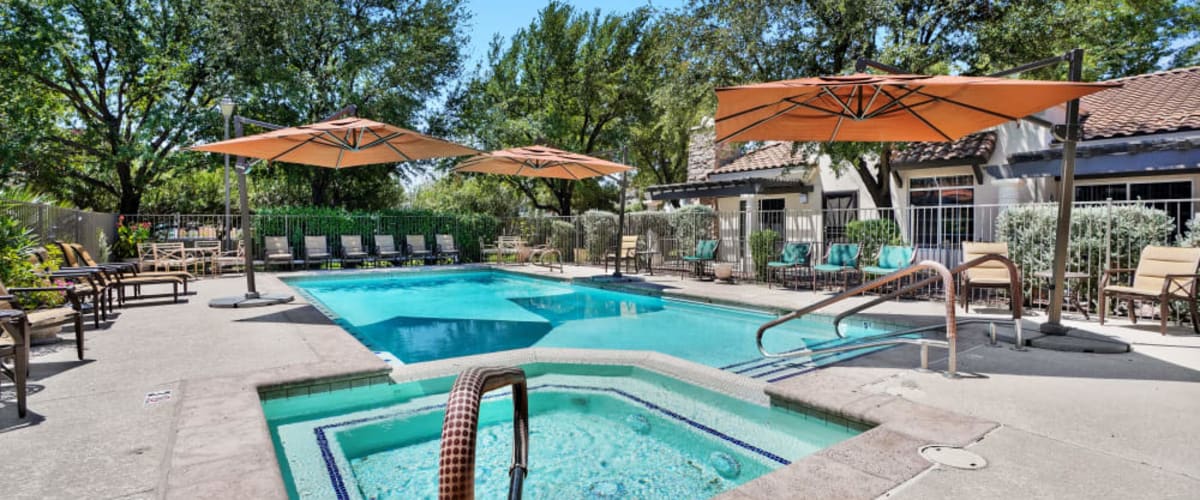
pixel 952 456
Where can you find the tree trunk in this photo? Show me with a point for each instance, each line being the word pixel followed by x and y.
pixel 564 192
pixel 130 198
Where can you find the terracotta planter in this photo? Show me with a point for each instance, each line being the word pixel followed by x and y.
pixel 723 272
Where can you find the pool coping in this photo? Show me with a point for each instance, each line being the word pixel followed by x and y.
pixel 241 460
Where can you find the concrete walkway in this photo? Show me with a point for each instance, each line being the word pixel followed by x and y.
pixel 1073 425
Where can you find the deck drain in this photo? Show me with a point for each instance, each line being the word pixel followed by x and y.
pixel 952 456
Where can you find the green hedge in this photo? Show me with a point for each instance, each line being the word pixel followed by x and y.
pixel 298 222
pixel 599 233
pixel 1095 233
pixel 871 235
pixel 762 249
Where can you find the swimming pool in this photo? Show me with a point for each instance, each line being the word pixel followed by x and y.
pixel 424 316
pixel 596 431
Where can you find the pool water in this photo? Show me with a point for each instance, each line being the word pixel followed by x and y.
pixel 596 431
pixel 428 316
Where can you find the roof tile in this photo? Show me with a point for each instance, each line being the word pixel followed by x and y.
pixel 774 155
pixel 1167 101
pixel 974 148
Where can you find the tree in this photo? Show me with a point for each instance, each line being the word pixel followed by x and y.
pixel 568 80
pixel 128 82
pixel 300 60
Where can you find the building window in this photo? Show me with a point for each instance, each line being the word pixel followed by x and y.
pixel 839 209
pixel 770 215
pixel 943 210
pixel 1171 197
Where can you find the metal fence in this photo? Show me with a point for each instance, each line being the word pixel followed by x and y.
pixel 94 230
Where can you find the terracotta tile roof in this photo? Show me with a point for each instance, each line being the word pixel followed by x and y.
pixel 776 155
pixel 972 149
pixel 1167 101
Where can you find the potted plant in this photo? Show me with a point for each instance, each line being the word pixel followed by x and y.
pixel 129 236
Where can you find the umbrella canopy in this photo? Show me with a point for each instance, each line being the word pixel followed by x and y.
pixel 883 108
pixel 540 161
pixel 344 142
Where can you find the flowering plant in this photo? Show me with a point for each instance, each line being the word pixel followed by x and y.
pixel 129 236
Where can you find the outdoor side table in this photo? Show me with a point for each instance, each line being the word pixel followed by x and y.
pixel 646 256
pixel 1071 292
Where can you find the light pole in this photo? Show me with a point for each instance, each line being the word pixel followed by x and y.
pixel 227 107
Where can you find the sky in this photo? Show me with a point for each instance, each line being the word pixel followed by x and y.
pixel 505 17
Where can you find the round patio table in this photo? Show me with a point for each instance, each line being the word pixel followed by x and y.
pixel 1071 292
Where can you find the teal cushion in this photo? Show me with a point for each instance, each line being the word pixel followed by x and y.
pixel 795 254
pixel 707 249
pixel 878 270
pixel 779 264
pixel 693 258
pixel 829 268
pixel 843 254
pixel 895 257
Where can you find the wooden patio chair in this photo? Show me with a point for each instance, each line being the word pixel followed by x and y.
pixel 49 316
pixel 626 251
pixel 170 255
pixel 706 253
pixel 207 251
pixel 385 248
pixel 277 251
pixel 991 274
pixel 316 248
pixel 352 249
pixel 1163 274
pixel 230 258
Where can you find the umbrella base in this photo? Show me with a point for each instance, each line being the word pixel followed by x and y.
pixel 1053 329
pixel 245 301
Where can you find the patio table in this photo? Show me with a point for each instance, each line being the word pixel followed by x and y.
pixel 1071 292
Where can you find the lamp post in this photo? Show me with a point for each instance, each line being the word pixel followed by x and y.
pixel 227 107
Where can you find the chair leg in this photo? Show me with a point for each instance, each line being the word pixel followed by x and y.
pixel 966 297
pixel 21 368
pixel 1101 304
pixel 79 335
pixel 1132 316
pixel 1195 310
pixel 1164 309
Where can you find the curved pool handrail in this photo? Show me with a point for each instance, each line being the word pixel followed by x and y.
pixel 1016 293
pixel 456 467
pixel 925 265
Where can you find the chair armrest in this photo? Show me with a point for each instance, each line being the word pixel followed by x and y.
pixel 43 289
pixel 1174 279
pixel 1119 270
pixel 7 298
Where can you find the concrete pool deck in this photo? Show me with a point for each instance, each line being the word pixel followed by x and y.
pixel 1068 424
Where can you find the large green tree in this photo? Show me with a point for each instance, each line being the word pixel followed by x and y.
pixel 569 80
pixel 128 84
pixel 300 60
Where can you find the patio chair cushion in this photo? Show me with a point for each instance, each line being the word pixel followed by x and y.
pixel 1157 262
pixel 988 273
pixel 794 254
pixel 1129 290
pixel 894 257
pixel 43 317
pixel 843 255
pixel 830 268
pixel 705 250
pixel 879 270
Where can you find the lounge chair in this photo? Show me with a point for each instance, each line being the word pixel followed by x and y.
pixel 626 251
pixel 14 343
pixel 352 249
pixel 50 316
pixel 1163 274
pixel 990 274
pixel 840 260
pixel 706 253
pixel 417 251
pixel 86 285
pixel 316 248
pixel 118 277
pixel 385 248
pixel 278 251
pixel 444 245
pixel 795 256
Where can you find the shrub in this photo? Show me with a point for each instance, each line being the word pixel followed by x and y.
pixel 691 224
pixel 871 235
pixel 599 232
pixel 1096 235
pixel 17 242
pixel 129 236
pixel 762 249
pixel 1191 237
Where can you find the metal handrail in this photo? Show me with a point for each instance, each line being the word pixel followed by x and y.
pixel 926 265
pixel 456 467
pixel 1016 295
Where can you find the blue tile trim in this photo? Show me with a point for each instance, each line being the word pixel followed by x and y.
pixel 339 483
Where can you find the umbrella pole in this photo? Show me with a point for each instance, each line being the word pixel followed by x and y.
pixel 620 224
pixel 1066 202
pixel 244 200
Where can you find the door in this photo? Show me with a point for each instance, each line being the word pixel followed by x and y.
pixel 839 209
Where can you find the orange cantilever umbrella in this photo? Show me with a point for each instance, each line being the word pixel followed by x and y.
pixel 884 108
pixel 344 142
pixel 540 161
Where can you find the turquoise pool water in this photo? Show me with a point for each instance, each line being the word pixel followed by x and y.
pixel 427 316
pixel 596 431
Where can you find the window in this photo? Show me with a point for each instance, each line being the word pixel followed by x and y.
pixel 839 209
pixel 770 215
pixel 1155 194
pixel 943 210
